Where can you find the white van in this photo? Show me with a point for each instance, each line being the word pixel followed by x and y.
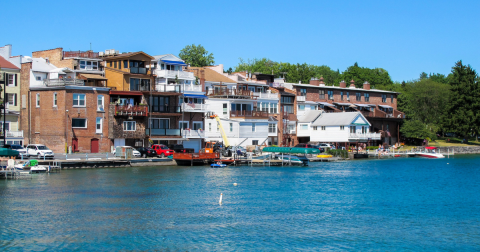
pixel 39 150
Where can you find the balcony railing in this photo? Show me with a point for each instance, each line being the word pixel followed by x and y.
pixel 229 92
pixel 301 98
pixel 365 136
pixel 138 70
pixel 192 107
pixel 172 74
pixel 248 114
pixel 63 82
pixel 189 133
pixel 126 110
pixel 80 54
pixel 175 88
pixel 163 132
pixel 166 109
pixel 12 133
pixel 281 85
pixel 265 95
pixel 193 88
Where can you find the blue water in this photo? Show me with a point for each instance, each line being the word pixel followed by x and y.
pixel 394 204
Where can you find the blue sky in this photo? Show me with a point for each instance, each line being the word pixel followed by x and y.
pixel 403 37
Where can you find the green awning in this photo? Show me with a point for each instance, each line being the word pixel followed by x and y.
pixel 291 150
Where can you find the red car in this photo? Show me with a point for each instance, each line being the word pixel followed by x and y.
pixel 162 150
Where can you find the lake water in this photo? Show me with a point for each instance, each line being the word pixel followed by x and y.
pixel 393 204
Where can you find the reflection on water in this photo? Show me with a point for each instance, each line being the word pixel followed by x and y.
pixel 395 204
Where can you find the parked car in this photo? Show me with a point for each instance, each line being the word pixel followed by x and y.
pixel 147 152
pixel 39 150
pixel 325 145
pixel 135 153
pixel 178 148
pixel 21 150
pixel 162 150
pixel 303 145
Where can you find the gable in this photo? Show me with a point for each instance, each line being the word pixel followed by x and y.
pixel 170 57
pixel 360 120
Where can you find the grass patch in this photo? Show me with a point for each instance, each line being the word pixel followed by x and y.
pixel 453 141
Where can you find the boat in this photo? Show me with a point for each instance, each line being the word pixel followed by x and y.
pixel 292 159
pixel 324 156
pixel 430 152
pixel 31 165
pixel 218 165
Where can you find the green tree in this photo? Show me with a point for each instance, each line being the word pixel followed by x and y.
pixel 464 105
pixel 377 77
pixel 196 56
pixel 416 129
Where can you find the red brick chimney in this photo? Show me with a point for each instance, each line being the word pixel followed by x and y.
pixel 366 85
pixel 343 84
pixel 352 83
pixel 314 82
pixel 321 81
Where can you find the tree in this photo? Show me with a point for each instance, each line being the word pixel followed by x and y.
pixel 464 106
pixel 377 77
pixel 416 129
pixel 196 56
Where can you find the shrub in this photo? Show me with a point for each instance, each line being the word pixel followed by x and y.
pixel 338 153
pixel 372 147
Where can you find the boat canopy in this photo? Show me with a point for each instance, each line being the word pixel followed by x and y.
pixel 430 148
pixel 291 150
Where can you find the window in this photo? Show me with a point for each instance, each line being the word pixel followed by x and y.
pixel 55 99
pixel 83 64
pixel 38 100
pixel 358 96
pixel 364 129
pixel 315 127
pixel 288 109
pixel 210 127
pixel 231 127
pixel 125 64
pixel 391 98
pixel 273 108
pixel 79 123
pixel 272 128
pixel 254 142
pixel 119 64
pixel 7 126
pixel 342 127
pixel 161 104
pixel 100 103
pixel 287 99
pixel 367 96
pixel 253 127
pixel 384 98
pixel 353 129
pixel 322 127
pixel 225 109
pixel 38 78
pixel 303 91
pixel 304 126
pixel 95 65
pixel 79 100
pixel 330 94
pixel 12 99
pixel 321 94
pixel 114 64
pixel 348 96
pixel 110 64
pixel 341 95
pixel 99 125
pixel 183 125
pixel 11 80
pixel 197 125
pixel 129 125
pixel 301 107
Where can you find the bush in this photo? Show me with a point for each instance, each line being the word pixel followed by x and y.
pixel 338 153
pixel 372 147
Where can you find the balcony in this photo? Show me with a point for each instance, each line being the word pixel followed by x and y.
pixel 80 54
pixel 163 132
pixel 260 95
pixel 230 93
pixel 166 109
pixel 63 82
pixel 137 110
pixel 174 88
pixel 138 70
pixel 189 133
pixel 365 136
pixel 194 107
pixel 172 74
pixel 301 98
pixel 249 114
pixel 193 88
pixel 289 116
pixel 12 133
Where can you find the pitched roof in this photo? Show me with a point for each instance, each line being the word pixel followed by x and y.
pixel 334 119
pixel 167 57
pixel 40 65
pixel 127 55
pixel 6 64
pixel 211 75
pixel 310 116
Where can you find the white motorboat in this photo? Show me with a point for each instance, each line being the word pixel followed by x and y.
pixel 430 152
pixel 31 165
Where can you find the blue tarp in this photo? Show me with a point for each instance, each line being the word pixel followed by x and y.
pixel 195 96
pixel 171 62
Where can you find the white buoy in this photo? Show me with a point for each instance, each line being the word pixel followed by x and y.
pixel 220 201
pixel 235 184
pixel 447 163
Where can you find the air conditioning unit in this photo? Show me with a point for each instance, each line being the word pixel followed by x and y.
pixel 100 54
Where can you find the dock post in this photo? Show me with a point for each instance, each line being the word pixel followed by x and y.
pixel 86 156
pixel 107 154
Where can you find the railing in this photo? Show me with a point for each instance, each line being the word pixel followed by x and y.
pixel 281 85
pixel 141 88
pixel 80 54
pixel 301 98
pixel 166 109
pixel 137 110
pixel 12 133
pixel 189 133
pixel 175 88
pixel 193 88
pixel 187 107
pixel 63 82
pixel 291 131
pixel 248 114
pixel 138 70
pixel 172 74
pixel 265 95
pixel 398 114
pixel 365 136
pixel 367 113
pixel 229 92
pixel 163 132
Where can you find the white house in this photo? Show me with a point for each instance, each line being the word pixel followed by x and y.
pixel 342 128
pixel 304 123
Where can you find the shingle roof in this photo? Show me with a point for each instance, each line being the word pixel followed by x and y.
pixel 211 75
pixel 333 119
pixel 6 64
pixel 127 55
pixel 309 116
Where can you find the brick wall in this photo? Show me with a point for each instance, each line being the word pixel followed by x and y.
pixel 24 93
pixel 55 56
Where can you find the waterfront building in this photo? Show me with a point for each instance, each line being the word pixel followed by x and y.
pixel 65 106
pixel 10 82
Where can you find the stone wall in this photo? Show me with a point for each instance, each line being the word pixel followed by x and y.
pixel 459 149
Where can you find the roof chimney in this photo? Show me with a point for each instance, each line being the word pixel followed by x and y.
pixel 322 84
pixel 366 85
pixel 352 83
pixel 343 84
pixel 314 81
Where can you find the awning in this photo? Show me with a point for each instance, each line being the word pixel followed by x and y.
pixel 343 104
pixel 363 105
pixel 430 148
pixel 166 138
pixel 308 102
pixel 384 106
pixel 172 62
pixel 327 104
pixel 93 77
pixel 195 96
pixel 291 150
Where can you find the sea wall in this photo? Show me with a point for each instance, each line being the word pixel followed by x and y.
pixel 459 149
